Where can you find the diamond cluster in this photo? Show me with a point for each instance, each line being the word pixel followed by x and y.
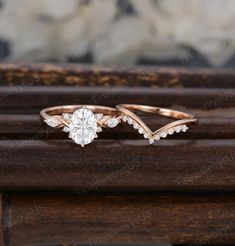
pixel 157 137
pixel 82 125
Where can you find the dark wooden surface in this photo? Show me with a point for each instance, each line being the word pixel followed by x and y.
pixel 2 221
pixel 185 184
pixel 32 99
pixel 125 219
pixel 118 166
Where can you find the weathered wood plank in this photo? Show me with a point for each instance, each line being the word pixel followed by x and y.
pixel 2 222
pixel 87 75
pixel 26 99
pixel 71 220
pixel 118 165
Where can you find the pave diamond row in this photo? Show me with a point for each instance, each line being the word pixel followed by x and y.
pixel 158 136
pixel 171 131
pixel 136 126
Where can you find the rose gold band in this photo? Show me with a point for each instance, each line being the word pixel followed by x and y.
pixel 58 111
pixel 71 108
pixel 181 124
pixel 82 122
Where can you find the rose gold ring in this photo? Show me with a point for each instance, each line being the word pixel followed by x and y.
pixel 181 124
pixel 82 122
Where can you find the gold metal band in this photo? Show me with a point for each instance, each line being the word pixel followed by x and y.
pixel 181 124
pixel 82 122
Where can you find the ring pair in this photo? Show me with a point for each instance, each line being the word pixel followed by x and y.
pixel 83 122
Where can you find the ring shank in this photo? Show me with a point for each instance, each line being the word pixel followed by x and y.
pixel 156 110
pixel 58 110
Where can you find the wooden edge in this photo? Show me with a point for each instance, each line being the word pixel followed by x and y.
pixel 88 75
pixel 2 222
pixel 170 165
pixel 72 220
pixel 26 98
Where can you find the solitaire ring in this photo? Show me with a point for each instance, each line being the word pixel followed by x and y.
pixel 82 122
pixel 183 120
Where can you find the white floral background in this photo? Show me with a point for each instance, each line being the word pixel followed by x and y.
pixel 119 31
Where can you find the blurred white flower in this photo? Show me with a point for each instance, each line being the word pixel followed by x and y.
pixel 40 30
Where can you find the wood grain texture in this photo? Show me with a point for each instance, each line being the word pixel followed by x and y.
pixel 118 166
pixel 65 219
pixel 32 99
pixel 118 189
pixel 28 126
pixel 5 220
pixel 2 222
pixel 87 75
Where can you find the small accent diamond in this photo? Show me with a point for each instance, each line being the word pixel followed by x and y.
pixel 53 122
pixel 178 129
pixel 185 128
pixel 151 141
pixel 129 121
pixel 163 134
pixel 146 135
pixel 170 131
pixel 66 116
pixel 112 122
pixel 124 118
pixel 99 116
pixel 136 126
pixel 66 129
pixel 157 137
pixel 141 131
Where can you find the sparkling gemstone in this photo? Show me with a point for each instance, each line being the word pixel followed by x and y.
pixel 170 131
pixel 83 126
pixel 129 121
pixel 151 141
pixel 146 135
pixel 124 118
pixel 67 116
pixel 112 122
pixel 157 137
pixel 185 128
pixel 178 129
pixel 136 126
pixel 53 122
pixel 66 129
pixel 141 131
pixel 99 116
pixel 163 134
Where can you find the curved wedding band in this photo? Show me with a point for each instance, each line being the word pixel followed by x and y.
pixel 82 122
pixel 181 124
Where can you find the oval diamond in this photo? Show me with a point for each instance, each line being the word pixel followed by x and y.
pixel 83 126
